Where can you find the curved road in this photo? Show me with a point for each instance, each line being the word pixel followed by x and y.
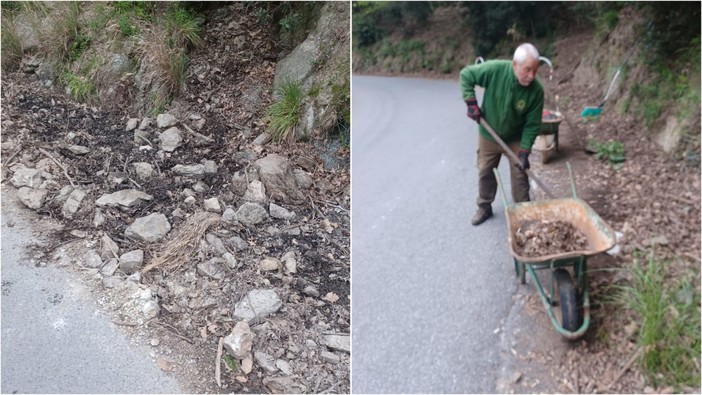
pixel 429 289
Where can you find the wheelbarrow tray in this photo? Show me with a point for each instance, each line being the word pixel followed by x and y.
pixel 599 234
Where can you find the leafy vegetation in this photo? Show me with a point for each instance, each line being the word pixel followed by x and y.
pixel 284 114
pixel 610 151
pixel 79 86
pixel 669 317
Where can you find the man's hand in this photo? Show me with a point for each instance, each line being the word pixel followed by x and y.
pixel 524 158
pixel 473 109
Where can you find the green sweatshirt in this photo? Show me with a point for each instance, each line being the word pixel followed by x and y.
pixel 513 111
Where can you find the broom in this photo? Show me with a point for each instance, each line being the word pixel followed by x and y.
pixel 595 111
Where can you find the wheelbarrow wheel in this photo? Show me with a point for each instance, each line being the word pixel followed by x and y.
pixel 570 314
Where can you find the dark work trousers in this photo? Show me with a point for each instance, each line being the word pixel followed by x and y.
pixel 489 154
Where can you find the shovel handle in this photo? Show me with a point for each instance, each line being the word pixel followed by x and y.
pixel 514 157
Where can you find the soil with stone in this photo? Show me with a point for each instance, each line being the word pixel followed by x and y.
pixel 287 272
pixel 541 238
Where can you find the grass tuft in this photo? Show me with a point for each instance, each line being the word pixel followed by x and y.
pixel 81 88
pixel 11 46
pixel 669 316
pixel 184 27
pixel 284 115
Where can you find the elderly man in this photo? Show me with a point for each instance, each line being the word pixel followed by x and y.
pixel 512 105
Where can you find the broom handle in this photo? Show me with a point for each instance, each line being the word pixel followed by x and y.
pixel 514 157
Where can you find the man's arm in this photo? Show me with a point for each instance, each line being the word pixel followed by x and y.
pixel 471 76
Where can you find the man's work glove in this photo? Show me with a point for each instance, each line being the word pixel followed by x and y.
pixel 524 159
pixel 473 109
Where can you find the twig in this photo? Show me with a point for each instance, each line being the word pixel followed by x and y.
pixel 315 207
pixel 122 323
pixel 65 172
pixel 330 389
pixel 218 363
pixel 135 183
pixel 12 156
pixel 175 331
pixel 625 368
pixel 196 134
pixel 145 139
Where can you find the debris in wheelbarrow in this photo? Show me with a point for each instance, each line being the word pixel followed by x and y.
pixel 539 238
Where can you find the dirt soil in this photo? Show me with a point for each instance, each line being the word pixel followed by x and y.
pixel 229 90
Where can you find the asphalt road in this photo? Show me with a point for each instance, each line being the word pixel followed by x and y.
pixel 429 290
pixel 54 340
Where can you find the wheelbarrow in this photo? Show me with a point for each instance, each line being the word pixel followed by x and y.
pixel 568 270
pixel 547 141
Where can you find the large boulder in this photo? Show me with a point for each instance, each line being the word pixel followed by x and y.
pixel 276 175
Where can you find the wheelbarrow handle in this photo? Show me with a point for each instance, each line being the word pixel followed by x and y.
pixel 514 157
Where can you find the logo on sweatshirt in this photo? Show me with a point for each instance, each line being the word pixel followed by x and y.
pixel 520 105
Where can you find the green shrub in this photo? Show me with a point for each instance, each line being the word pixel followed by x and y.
pixel 284 114
pixel 611 151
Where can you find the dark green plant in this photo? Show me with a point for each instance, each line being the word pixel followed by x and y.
pixel 78 46
pixel 126 27
pixel 611 151
pixel 185 27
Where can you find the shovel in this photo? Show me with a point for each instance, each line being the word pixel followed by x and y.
pixel 514 157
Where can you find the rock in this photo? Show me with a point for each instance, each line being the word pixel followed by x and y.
pixel 265 361
pixel 131 261
pixel 72 204
pixel 210 167
pixel 247 364
pixel 178 213
pixel 109 249
pixel 187 192
pixel 143 170
pixel 135 277
pixel 151 228
pixel 79 234
pixel 125 197
pixel 150 309
pixel 275 173
pixel 303 179
pixel 92 260
pixel 269 264
pixel 290 262
pixel 284 367
pixel 239 184
pixel 216 243
pixel 251 214
pixel 255 192
pixel 329 357
pixel 213 268
pixel 257 303
pixel 284 385
pixel 306 163
pixel 212 205
pixel 338 342
pixel 230 260
pixel 244 156
pixel 27 177
pixel 98 218
pixel 170 139
pixel 131 124
pixel 262 139
pixel 238 243
pixel 110 267
pixel 32 198
pixel 190 200
pixel 111 282
pixel 145 123
pixel 141 136
pixel 311 291
pixel 280 212
pixel 273 231
pixel 189 170
pixel 78 149
pixel 166 121
pixel 117 177
pixel 229 216
pixel 292 231
pixel 200 187
pixel 239 342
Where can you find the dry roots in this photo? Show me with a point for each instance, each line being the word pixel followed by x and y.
pixel 179 249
